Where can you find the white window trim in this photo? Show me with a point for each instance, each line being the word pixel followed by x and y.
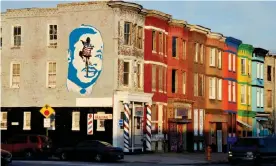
pixel 249 94
pixel 229 91
pixel 258 70
pixel 212 57
pixel 229 62
pixel 245 71
pixel 262 97
pixel 75 127
pixel 130 73
pixel 234 62
pixel 155 67
pixel 219 86
pixel 243 89
pixel 47 74
pixel 258 97
pixel 196 51
pixel 11 74
pixel 262 71
pixel 48 35
pixel 184 82
pixel 212 88
pixel 160 88
pixel 234 91
pixel 219 59
pixel 141 75
pixel 12 37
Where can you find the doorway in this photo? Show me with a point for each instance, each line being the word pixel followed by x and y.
pixel 219 137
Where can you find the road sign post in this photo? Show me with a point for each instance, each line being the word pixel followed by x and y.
pixel 46 111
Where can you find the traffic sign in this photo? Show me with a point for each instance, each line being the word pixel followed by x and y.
pixel 47 111
pixel 47 122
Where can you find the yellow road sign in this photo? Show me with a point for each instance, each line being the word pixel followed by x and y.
pixel 47 111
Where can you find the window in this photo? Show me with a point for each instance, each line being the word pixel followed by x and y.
pixel 258 70
pixel 17 36
pixel 249 95
pixel 4 120
pixel 27 121
pixel 139 75
pixel 201 53
pixel 234 91
pixel 160 78
pixel 268 73
pixel 126 73
pixel 0 42
pixel 160 42
pixel 174 47
pixel 219 86
pixel 234 62
pixel 52 35
pixel 243 94
pixel 184 49
pixel 140 37
pixel 75 121
pixel 262 97
pixel 195 84
pixel 249 67
pixel 153 77
pixel 196 52
pixel 262 71
pixel 184 82
pixel 153 41
pixel 174 80
pixel 165 44
pixel 229 62
pixel 200 85
pixel 52 74
pixel 212 57
pixel 127 33
pixel 229 90
pixel 258 97
pixel 243 66
pixel 269 99
pixel 165 78
pixel 15 80
pixel 219 59
pixel 212 88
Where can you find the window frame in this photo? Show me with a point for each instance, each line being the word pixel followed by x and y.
pixel 219 59
pixel 153 44
pixel 129 73
pixel 176 47
pixel 219 88
pixel 184 49
pixel 13 36
pixel 12 75
pixel 139 74
pixel 229 62
pixel 234 63
pixel 201 53
pixel 25 126
pixel 4 120
pixel 53 42
pixel 160 79
pixel 127 35
pixel 230 97
pixel 196 45
pixel 160 39
pixel 212 57
pixel 243 67
pixel 153 77
pixel 184 78
pixel 234 91
pixel 48 85
pixel 243 90
pixel 196 84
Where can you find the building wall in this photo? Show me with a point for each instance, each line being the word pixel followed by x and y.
pixel 34 53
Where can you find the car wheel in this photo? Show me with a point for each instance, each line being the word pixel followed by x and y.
pixel 98 157
pixel 63 156
pixel 28 155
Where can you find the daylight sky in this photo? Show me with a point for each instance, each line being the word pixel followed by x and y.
pixel 252 22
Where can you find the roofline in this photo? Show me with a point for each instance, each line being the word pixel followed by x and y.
pixel 262 51
pixel 233 40
pixel 199 28
pixel 158 14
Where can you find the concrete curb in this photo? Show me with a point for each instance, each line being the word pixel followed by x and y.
pixel 158 162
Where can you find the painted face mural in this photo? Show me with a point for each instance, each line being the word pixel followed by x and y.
pixel 85 56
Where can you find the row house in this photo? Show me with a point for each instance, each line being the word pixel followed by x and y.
pixel 229 94
pixel 197 82
pixel 257 97
pixel 244 77
pixel 103 88
pixel 269 79
pixel 155 66
pixel 216 119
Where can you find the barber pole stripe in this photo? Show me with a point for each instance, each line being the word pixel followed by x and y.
pixel 126 127
pixel 89 124
pixel 148 128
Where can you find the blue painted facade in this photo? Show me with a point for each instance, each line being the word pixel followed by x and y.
pixel 257 85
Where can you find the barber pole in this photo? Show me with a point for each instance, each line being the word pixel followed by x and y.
pixel 148 128
pixel 89 124
pixel 126 127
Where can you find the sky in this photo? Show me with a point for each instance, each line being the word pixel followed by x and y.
pixel 253 22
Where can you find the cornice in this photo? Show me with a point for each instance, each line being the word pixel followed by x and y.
pixel 233 40
pixel 159 14
pixel 127 5
pixel 215 35
pixel 199 29
pixel 247 47
pixel 180 23
pixel 80 3
pixel 27 12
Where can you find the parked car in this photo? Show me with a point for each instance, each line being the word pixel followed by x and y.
pixel 90 149
pixel 28 146
pixel 6 157
pixel 255 150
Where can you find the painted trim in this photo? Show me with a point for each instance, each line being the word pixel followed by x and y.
pixel 47 74
pixel 94 102
pixel 156 29
pixel 155 63
pixel 11 71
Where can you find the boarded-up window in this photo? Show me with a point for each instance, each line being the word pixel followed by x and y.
pixel 269 99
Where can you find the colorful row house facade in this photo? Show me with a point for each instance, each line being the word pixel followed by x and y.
pixel 161 83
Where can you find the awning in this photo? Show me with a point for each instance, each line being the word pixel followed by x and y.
pixel 261 118
pixel 243 123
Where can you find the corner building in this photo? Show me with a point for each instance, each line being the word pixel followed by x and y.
pixel 155 67
pixel 39 70
pixel 244 77
pixel 215 118
pixel 196 57
pixel 229 95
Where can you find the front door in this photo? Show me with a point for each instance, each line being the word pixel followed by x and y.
pixel 219 140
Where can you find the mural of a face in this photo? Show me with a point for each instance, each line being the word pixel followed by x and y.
pixel 85 52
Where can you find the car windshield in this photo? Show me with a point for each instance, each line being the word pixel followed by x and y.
pixel 106 143
pixel 248 142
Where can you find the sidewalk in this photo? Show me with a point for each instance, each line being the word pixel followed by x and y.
pixel 176 158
